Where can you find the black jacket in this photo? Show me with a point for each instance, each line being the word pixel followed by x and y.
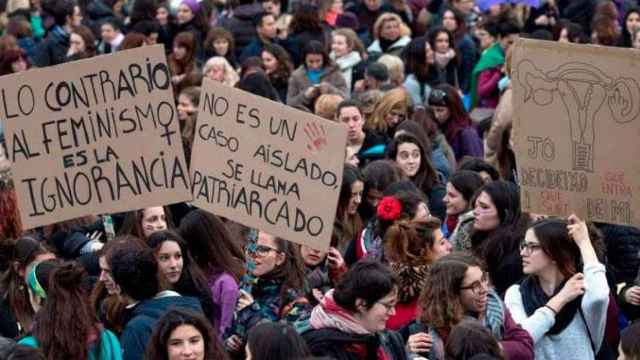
pixel 623 250
pixel 53 50
pixel 338 345
pixel 241 25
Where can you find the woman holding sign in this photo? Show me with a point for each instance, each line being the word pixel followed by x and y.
pixel 562 302
pixel 271 292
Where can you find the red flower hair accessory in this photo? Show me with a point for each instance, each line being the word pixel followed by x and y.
pixel 389 208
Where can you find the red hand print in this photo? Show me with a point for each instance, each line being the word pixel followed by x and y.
pixel 317 136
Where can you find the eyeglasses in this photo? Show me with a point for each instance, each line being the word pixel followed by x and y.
pixel 437 97
pixel 529 248
pixel 259 250
pixel 388 307
pixel 477 287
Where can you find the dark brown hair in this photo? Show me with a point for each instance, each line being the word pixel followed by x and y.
pixel 217 33
pixel 186 65
pixel 66 307
pixel 471 338
pixel 158 344
pixel 211 244
pixel 132 223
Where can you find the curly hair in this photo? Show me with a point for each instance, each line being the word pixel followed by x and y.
pixel 440 300
pixel 411 242
pixel 377 26
pixel 10 223
pixel 231 77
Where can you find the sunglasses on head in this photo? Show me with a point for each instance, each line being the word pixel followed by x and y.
pixel 438 97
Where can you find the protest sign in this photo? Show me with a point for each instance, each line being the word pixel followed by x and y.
pixel 94 136
pixel 267 165
pixel 577 126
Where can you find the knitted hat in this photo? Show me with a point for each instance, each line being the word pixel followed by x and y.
pixel 348 20
pixel 194 5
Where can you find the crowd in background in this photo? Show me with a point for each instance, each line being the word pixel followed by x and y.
pixel 431 257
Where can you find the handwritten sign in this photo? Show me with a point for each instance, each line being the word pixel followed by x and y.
pixel 577 127
pixel 94 136
pixel 267 165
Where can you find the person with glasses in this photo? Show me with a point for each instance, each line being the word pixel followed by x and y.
pixel 454 122
pixel 350 321
pixel 271 291
pixel 563 300
pixel 457 288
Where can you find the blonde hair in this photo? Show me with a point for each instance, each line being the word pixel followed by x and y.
pixel 231 77
pixel 395 66
pixel 327 105
pixel 377 26
pixel 393 99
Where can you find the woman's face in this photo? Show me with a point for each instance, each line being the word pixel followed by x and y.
pixel 76 43
pixel 106 277
pixel 441 246
pixel 395 117
pixel 442 43
pixel 356 197
pixel 339 45
pixel 153 219
pixel 430 56
pixel 76 19
pixel 314 61
pixel 408 157
pixel 180 52
pixel 534 260
pixel 442 114
pixel 185 343
pixel 170 260
pixel 474 290
pixel 374 319
pixel 449 21
pixel 162 15
pixel 486 214
pixel 311 256
pixel 19 65
pixel 564 36
pixel 337 6
pixel 454 201
pixel 269 61
pixel 633 22
pixel 185 107
pixel 390 30
pixel 221 45
pixel 486 40
pixel 267 256
pixel 622 355
pixel 216 73
pixel 184 14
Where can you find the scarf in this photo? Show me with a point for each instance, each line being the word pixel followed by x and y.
pixel 442 60
pixel 372 243
pixel 491 58
pixel 533 298
pixel 452 221
pixel 328 314
pixel 494 315
pixel 386 44
pixel 314 76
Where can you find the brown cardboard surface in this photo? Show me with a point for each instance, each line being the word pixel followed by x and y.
pixel 267 165
pixel 577 130
pixel 94 136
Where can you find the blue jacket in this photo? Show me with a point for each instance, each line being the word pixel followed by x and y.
pixel 143 318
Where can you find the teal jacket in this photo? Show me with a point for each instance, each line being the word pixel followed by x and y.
pixel 109 348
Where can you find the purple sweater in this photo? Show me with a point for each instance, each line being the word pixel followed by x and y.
pixel 225 291
pixel 467 143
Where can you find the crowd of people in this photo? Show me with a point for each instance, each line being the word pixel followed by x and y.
pixel 431 255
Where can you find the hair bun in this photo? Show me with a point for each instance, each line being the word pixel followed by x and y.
pixel 69 275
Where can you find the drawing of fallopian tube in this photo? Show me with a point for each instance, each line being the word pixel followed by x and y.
pixel 583 89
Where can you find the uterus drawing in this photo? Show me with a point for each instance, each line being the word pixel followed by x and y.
pixel 583 89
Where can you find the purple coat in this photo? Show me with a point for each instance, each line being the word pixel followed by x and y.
pixel 225 291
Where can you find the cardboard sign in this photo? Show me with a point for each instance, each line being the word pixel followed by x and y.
pixel 577 128
pixel 267 165
pixel 94 136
